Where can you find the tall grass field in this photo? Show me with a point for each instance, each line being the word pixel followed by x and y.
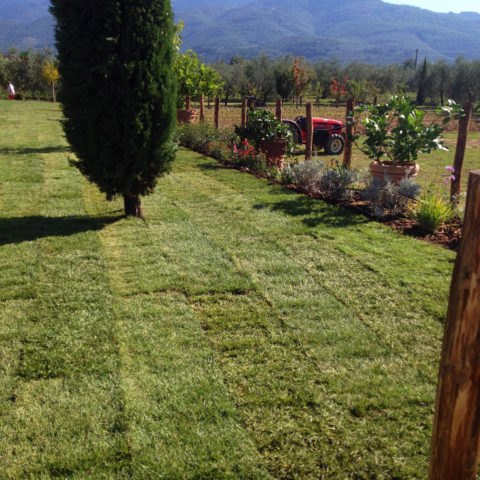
pixel 240 331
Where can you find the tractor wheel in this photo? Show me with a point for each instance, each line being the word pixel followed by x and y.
pixel 335 144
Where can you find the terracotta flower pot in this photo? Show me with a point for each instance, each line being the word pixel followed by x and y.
pixel 393 171
pixel 274 152
pixel 186 116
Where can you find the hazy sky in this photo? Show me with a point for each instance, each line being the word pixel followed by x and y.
pixel 443 5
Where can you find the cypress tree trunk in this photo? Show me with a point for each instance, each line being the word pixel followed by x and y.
pixel 133 206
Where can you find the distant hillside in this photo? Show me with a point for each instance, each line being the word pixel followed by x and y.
pixel 186 4
pixel 370 31
pixel 25 24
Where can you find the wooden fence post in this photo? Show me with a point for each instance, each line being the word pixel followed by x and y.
pixel 202 108
pixel 460 151
pixel 217 113
pixel 244 112
pixel 278 110
pixel 309 145
pixel 456 428
pixel 347 153
pixel 187 103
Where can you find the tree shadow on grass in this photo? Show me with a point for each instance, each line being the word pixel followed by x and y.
pixel 26 229
pixel 315 212
pixel 210 166
pixel 31 151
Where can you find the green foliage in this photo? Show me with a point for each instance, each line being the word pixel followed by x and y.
pixel 432 211
pixel 197 136
pixel 263 126
pixel 116 63
pixel 357 89
pixel 421 81
pixel 25 70
pixel 223 145
pixel 396 132
pixel 284 77
pixel 195 78
pixel 188 71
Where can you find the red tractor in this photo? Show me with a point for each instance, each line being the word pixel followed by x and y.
pixel 327 134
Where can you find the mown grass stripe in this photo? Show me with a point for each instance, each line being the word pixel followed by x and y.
pixel 64 415
pixel 182 421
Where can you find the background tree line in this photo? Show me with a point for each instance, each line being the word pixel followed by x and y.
pixel 293 78
pixel 34 75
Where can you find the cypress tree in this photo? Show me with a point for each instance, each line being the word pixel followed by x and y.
pixel 118 91
pixel 422 80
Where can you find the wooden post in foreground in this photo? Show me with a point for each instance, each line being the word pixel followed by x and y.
pixel 347 153
pixel 217 112
pixel 460 151
pixel 278 109
pixel 456 428
pixel 309 145
pixel 202 108
pixel 244 113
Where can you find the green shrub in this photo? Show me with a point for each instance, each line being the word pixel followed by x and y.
pixel 432 211
pixel 197 136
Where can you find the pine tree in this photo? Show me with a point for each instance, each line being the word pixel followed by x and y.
pixel 118 91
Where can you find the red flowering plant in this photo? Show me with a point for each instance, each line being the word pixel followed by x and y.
pixel 245 154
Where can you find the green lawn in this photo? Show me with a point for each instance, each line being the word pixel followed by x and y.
pixel 240 332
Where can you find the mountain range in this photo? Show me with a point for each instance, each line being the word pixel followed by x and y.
pixel 370 31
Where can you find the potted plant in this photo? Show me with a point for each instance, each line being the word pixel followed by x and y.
pixel 267 135
pixel 187 68
pixel 396 135
pixel 194 79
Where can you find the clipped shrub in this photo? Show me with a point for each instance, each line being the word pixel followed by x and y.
pixel 336 182
pixel 387 198
pixel 432 211
pixel 315 176
pixel 305 175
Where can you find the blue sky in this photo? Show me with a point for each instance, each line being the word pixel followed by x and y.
pixel 443 5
